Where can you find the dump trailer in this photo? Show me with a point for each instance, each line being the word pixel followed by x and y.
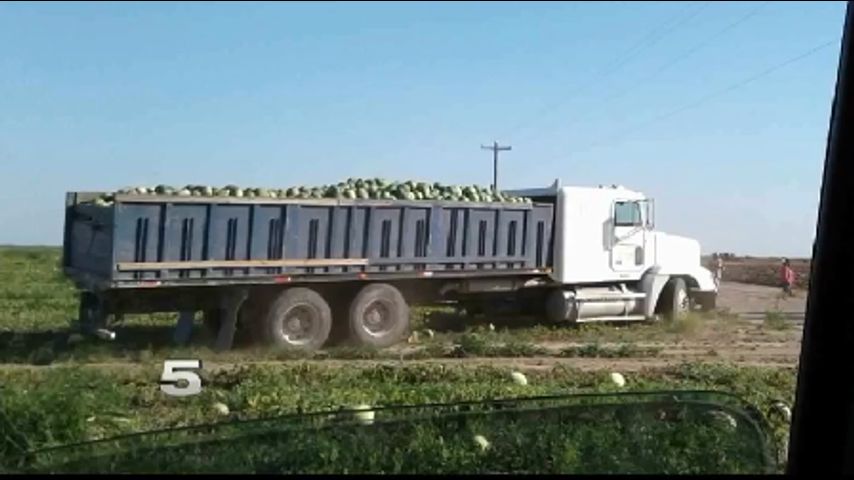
pixel 297 273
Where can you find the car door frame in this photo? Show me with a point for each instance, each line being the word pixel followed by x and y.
pixel 641 229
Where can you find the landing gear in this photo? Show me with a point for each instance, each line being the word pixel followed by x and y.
pixel 91 314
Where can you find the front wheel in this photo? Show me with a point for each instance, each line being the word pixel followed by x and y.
pixel 677 303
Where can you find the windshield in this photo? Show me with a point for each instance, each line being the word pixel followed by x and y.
pixel 532 435
pixel 265 216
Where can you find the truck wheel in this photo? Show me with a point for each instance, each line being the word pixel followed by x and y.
pixel 379 316
pixel 677 302
pixel 299 319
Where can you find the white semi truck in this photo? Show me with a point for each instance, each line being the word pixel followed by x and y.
pixel 611 264
pixel 295 272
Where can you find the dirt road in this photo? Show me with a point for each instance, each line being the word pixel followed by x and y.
pixel 754 300
pixel 745 336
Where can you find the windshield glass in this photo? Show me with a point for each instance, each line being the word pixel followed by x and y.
pixel 627 214
pixel 532 435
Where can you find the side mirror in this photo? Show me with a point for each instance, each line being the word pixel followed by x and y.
pixel 649 223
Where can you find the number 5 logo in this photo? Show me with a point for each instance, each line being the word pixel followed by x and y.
pixel 174 371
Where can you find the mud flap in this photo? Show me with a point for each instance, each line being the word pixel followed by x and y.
pixel 706 299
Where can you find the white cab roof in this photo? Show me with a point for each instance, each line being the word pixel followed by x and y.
pixel 553 189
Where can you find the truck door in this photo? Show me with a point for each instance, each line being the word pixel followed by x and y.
pixel 628 236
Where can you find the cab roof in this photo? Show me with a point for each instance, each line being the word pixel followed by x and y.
pixel 555 187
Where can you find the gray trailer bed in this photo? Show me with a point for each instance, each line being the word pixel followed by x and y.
pixel 160 241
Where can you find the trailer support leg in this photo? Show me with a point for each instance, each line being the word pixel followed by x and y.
pixel 184 328
pixel 91 315
pixel 230 306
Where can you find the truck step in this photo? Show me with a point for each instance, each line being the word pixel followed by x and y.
pixel 617 318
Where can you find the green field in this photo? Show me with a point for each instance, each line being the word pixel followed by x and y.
pixel 53 392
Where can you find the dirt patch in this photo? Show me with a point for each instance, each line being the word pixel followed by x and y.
pixel 752 301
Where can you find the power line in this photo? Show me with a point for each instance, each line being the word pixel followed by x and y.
pixel 705 42
pixel 648 40
pixel 714 94
pixel 697 47
pixel 663 34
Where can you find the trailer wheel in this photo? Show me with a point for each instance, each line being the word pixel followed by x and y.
pixel 379 316
pixel 299 319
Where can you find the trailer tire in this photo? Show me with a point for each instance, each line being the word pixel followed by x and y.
pixel 298 319
pixel 379 316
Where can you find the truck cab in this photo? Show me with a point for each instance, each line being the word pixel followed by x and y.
pixel 606 248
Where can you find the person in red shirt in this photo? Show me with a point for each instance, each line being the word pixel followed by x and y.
pixel 787 278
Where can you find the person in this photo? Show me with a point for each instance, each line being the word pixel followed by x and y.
pixel 719 269
pixel 716 265
pixel 787 278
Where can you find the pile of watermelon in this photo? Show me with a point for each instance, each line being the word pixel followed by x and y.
pixel 352 188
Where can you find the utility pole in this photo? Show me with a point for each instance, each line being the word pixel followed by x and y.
pixel 495 149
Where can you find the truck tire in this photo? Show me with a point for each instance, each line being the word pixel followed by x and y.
pixel 379 316
pixel 298 319
pixel 677 303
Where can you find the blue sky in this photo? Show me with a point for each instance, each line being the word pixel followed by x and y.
pixel 99 96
